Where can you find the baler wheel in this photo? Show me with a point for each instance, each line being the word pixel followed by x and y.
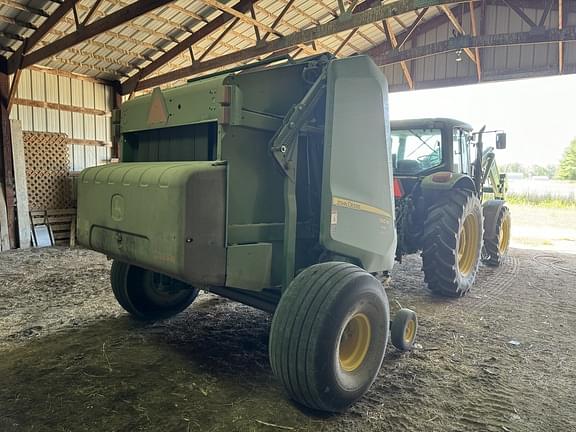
pixel 148 295
pixel 329 335
pixel 403 329
pixel 452 243
pixel 496 246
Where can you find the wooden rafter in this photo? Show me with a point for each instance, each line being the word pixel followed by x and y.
pixel 353 6
pixel 115 19
pixel 394 44
pixel 369 16
pixel 218 39
pixel 458 28
pixel 546 12
pixel 256 29
pixel 475 33
pixel 314 22
pixel 345 41
pixel 243 17
pixel 15 62
pixel 512 5
pixel 90 12
pixel 246 19
pixel 567 34
pixel 412 27
pixel 129 85
pixel 278 19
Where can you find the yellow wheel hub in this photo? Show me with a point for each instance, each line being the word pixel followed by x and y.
pixel 409 332
pixel 354 342
pixel 468 245
pixel 504 236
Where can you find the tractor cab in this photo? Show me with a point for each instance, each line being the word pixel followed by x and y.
pixel 424 146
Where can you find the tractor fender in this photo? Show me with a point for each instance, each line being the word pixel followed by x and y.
pixel 446 180
pixel 491 210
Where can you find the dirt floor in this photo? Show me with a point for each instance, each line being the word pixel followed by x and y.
pixel 501 359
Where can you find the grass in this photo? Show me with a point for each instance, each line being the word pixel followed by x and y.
pixel 540 201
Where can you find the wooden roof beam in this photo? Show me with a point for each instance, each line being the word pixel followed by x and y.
pixel 130 84
pixel 279 18
pixel 394 44
pixel 241 15
pixel 567 34
pixel 90 12
pixel 345 41
pixel 412 27
pixel 115 19
pixel 246 19
pixel 475 33
pixel 458 28
pixel 546 12
pixel 512 5
pixel 369 16
pixel 16 61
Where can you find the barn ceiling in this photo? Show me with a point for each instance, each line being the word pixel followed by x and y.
pixel 142 44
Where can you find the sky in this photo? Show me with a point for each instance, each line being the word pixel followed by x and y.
pixel 537 114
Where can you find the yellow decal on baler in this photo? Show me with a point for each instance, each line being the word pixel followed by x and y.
pixel 355 205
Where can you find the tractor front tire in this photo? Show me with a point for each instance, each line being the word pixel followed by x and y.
pixel 496 238
pixel 148 295
pixel 452 243
pixel 329 334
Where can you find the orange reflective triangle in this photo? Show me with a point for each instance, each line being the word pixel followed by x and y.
pixel 158 112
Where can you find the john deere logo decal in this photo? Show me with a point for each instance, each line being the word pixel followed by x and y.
pixel 117 209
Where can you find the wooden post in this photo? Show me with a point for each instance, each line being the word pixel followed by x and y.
pixel 4 239
pixel 6 167
pixel 116 105
pixel 22 210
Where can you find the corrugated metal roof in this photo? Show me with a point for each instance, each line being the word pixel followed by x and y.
pixel 122 51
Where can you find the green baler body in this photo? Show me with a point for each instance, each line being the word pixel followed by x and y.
pixel 199 195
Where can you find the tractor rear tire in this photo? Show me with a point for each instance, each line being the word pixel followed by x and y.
pixel 329 334
pixel 148 295
pixel 452 243
pixel 497 238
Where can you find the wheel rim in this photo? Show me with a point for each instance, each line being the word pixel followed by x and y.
pixel 409 332
pixel 504 237
pixel 467 245
pixel 354 342
pixel 162 291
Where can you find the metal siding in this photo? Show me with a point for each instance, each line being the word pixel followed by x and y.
pixel 47 87
pixel 79 157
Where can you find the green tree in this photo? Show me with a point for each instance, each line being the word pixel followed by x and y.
pixel 567 169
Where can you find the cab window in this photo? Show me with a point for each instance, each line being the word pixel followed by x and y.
pixel 416 150
pixel 461 150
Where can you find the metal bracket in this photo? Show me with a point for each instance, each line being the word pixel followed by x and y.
pixel 283 143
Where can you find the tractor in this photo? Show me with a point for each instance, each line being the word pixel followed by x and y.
pixel 269 184
pixel 441 173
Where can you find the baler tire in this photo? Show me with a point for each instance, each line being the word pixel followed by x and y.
pixel 329 334
pixel 496 246
pixel 132 288
pixel 403 329
pixel 450 262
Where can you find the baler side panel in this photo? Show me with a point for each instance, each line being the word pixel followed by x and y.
pixel 358 201
pixel 256 184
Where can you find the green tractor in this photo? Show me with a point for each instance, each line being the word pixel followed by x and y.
pixel 441 172
pixel 270 185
